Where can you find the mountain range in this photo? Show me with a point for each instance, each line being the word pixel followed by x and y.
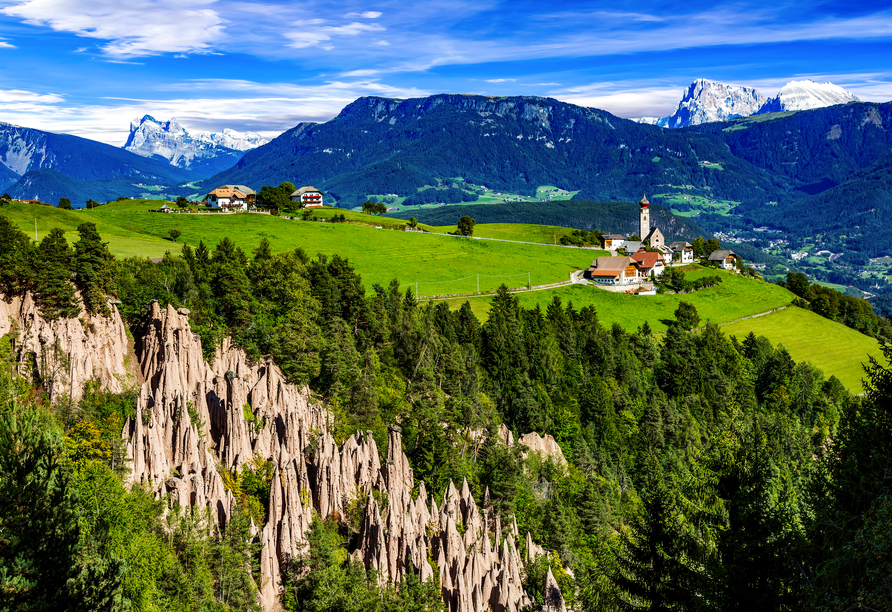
pixel 706 101
pixel 204 153
pixel 46 166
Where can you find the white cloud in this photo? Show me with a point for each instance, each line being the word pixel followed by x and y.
pixel 360 73
pixel 18 95
pixel 365 14
pixel 500 80
pixel 131 29
pixel 6 45
pixel 267 108
pixel 626 103
pixel 309 37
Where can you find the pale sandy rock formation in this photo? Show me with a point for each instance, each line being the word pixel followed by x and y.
pixel 546 445
pixel 554 600
pixel 172 452
pixel 95 347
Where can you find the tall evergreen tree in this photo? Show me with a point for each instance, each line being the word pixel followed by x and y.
pixel 55 293
pixel 94 269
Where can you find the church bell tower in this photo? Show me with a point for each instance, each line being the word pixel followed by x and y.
pixel 644 218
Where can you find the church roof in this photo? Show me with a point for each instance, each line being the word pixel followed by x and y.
pixel 644 201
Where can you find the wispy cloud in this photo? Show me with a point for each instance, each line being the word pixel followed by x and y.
pixel 500 80
pixel 131 29
pixel 308 37
pixel 267 108
pixel 364 15
pixel 18 95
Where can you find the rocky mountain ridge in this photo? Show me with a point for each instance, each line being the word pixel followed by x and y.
pixel 205 153
pixel 191 423
pixel 706 101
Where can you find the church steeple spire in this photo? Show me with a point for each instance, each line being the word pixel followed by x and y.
pixel 644 218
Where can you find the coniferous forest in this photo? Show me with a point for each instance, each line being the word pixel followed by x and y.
pixel 703 472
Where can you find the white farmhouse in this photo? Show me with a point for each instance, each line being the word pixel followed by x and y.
pixel 307 196
pixel 231 197
pixel 684 250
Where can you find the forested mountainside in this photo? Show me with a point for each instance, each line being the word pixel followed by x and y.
pixel 610 217
pixel 515 144
pixel 701 471
pixel 379 145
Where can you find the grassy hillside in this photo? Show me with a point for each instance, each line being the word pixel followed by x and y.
pixel 612 217
pixel 734 298
pixel 439 264
pixel 834 348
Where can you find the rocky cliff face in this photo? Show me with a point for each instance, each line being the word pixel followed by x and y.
pixel 68 352
pixel 174 453
pixel 707 101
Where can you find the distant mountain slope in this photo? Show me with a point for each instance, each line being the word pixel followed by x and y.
pixel 204 153
pixel 378 145
pixel 860 208
pixel 613 217
pixel 50 185
pixel 24 149
pixel 815 149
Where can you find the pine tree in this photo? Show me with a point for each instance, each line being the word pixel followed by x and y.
pixel 16 260
pixel 55 293
pixel 38 521
pixel 658 566
pixel 94 269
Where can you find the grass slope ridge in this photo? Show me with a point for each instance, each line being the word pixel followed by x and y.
pixel 833 348
pixel 619 217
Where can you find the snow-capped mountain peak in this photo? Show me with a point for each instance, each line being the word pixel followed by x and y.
pixel 705 101
pixel 200 151
pixel 806 95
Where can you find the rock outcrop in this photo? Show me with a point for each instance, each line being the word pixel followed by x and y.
pixel 193 417
pixel 545 445
pixel 66 353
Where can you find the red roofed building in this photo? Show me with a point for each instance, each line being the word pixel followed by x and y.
pixel 648 263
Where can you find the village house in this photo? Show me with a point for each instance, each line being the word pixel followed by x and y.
pixel 685 251
pixel 666 253
pixel 613 271
pixel 633 246
pixel 611 242
pixel 648 264
pixel 725 258
pixel 231 197
pixel 309 197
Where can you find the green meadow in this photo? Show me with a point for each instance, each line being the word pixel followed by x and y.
pixel 833 348
pixel 434 264
pixel 734 298
pixel 437 263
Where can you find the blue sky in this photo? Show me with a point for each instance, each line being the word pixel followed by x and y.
pixel 88 67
